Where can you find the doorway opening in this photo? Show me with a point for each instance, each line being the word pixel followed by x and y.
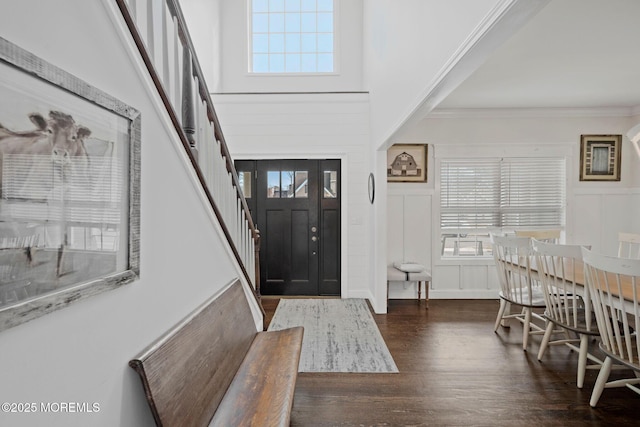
pixel 296 206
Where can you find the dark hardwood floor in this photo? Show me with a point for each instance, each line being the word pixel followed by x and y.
pixel 455 371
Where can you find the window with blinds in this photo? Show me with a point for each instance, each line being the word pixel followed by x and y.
pixel 479 196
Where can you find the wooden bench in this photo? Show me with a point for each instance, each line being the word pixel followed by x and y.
pixel 215 368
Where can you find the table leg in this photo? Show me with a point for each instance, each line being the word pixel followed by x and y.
pixel 426 293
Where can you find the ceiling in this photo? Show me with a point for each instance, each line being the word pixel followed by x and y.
pixel 572 54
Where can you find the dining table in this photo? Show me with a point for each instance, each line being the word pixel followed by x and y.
pixel 625 287
pixel 576 274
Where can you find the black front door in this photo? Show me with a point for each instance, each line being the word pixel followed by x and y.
pixel 296 206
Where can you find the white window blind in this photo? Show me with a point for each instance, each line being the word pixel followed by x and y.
pixel 532 193
pixel 493 194
pixel 469 194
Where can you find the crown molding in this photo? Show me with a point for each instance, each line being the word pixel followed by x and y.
pixel 532 112
pixel 289 97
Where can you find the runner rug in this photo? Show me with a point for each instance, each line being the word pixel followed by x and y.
pixel 340 335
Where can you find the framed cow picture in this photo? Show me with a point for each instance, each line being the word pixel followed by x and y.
pixel 407 163
pixel 69 188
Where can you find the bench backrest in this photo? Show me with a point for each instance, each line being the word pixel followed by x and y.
pixel 186 372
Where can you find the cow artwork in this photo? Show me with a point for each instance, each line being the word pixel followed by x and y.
pixel 59 139
pixel 69 188
pixel 37 162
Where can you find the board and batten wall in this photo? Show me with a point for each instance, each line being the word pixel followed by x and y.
pixel 635 200
pixel 313 126
pixel 596 211
pixel 409 231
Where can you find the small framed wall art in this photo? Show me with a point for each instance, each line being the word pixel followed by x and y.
pixel 600 157
pixel 407 163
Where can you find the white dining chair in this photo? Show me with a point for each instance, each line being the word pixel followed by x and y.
pixel 629 245
pixel 614 288
pixel 518 286
pixel 549 236
pixel 559 268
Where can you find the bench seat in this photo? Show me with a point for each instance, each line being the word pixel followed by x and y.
pixel 395 275
pixel 261 392
pixel 215 368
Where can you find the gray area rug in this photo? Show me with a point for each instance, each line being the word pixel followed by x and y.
pixel 340 335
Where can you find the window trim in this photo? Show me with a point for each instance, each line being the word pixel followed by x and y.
pixel 336 53
pixel 492 154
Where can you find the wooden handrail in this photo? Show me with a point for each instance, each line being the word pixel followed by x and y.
pixel 187 139
pixel 211 112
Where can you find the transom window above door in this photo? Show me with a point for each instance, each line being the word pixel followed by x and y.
pixel 290 184
pixel 291 36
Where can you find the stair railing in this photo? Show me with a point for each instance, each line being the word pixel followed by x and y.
pixel 160 33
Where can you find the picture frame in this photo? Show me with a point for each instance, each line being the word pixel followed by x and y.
pixel 69 188
pixel 407 163
pixel 600 157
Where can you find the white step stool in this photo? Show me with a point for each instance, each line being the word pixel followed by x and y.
pixel 395 275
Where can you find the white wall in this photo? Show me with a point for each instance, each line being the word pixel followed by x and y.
pixel 80 353
pixel 409 225
pixel 306 125
pixel 596 212
pixel 415 53
pixel 312 126
pixel 231 42
pixel 635 120
pixel 204 22
pixel 408 45
pixel 408 232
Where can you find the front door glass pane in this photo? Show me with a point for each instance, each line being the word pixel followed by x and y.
pixel 244 179
pixel 273 184
pixel 286 180
pixel 302 184
pixel 330 179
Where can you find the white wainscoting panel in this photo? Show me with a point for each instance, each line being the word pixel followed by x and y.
pixel 599 218
pixel 474 277
pixel 408 235
pixel 395 236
